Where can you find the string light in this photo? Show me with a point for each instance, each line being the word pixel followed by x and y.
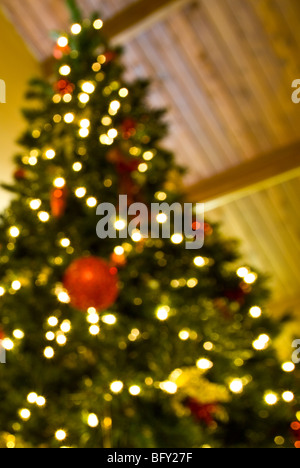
pixel 119 250
pixel 31 397
pixel 49 352
pixel 236 386
pixel 25 414
pixel 92 420
pixel 35 204
pixel 177 238
pixel 287 396
pixel 84 132
pixel 60 434
pixel 43 216
pixel 168 387
pixel 76 28
pixel 242 272
pixel 261 342
pixel 84 98
pixel 136 236
pixel 94 329
pixel 65 326
pixel 52 321
pixel 50 336
pixel 88 87
pixel 109 319
pixel 65 70
pixel 123 92
pixel 18 334
pixel 62 41
pixel 184 335
pixel 50 154
pixel 14 232
pixel 271 398
pixel 16 285
pixel 77 166
pixel 2 291
pixel 112 133
pixel 7 344
pixel 69 117
pixel 80 192
pixel 162 313
pixel 116 386
pixel 288 366
pixel 98 24
pixel 143 167
pixel 134 390
pixel 204 364
pixel 59 182
pixel 148 155
pixel 250 278
pixel 161 218
pixel 120 225
pixel 63 297
pixel 91 202
pixel 255 312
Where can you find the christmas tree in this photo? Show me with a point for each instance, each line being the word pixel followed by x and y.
pixel 124 341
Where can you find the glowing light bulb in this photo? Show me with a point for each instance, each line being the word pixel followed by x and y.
pixel 49 352
pixel 63 297
pixel 123 92
pixel 117 386
pixel 148 155
pixel 61 339
pixel 50 336
pixel 31 397
pixel 62 41
pixel 161 218
pixel 114 106
pixel 85 123
pixel 40 401
pixel 271 398
pixel 2 291
pixel 84 132
pixel 112 133
pixel 288 396
pixel 69 117
pixel 88 87
pixel 93 420
pixel 35 204
pixel 52 321
pixel 91 202
pixel 184 335
pixel 199 261
pixel 14 232
pixel 59 182
pixel 136 236
pixel 236 386
pixel 18 334
pixel 177 238
pixel 168 387
pixel 25 414
pixel 242 272
pixel 76 28
pixel 7 344
pixel 80 192
pixel 162 313
pixel 77 167
pixel 134 390
pixel 250 278
pixel 119 250
pixel 60 434
pixel 16 285
pixel 94 330
pixel 109 319
pixel 255 312
pixel 98 24
pixel 288 366
pixel 84 98
pixel 204 364
pixel 65 70
pixel 50 154
pixel 143 167
pixel 120 225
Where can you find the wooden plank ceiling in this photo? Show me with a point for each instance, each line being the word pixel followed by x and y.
pixel 224 70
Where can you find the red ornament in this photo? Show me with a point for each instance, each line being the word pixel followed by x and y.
pixel 128 128
pixel 63 87
pixel 202 412
pixel 58 202
pixel 20 174
pixel 91 282
pixel 59 52
pixel 110 55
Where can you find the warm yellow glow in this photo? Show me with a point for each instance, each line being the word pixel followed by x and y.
pixel 63 297
pixel 65 326
pixel 208 345
pixel 35 204
pixel 7 344
pixel 67 97
pixel 76 28
pixel 84 132
pixel 59 182
pixel 117 386
pixel 31 397
pixel 162 313
pixel 84 98
pixel 65 242
pixel 161 218
pixel 112 133
pixel 85 123
pixel 60 434
pixel 16 285
pixel 65 70
pixel 18 334
pixel 62 41
pixel 120 225
pixel 50 154
pixel 77 166
pixel 123 92
pixel 52 321
pixel 250 278
pixel 25 414
pixel 119 250
pixel 199 261
pixel 14 231
pixel 288 366
pixel 261 342
pixel 134 390
pixel 40 401
pixel 43 216
pixel 32 161
pixel 106 121
pixel 69 117
pixel 98 24
pixel 177 238
pixel 184 335
pixel 88 87
pixel 287 396
pixel 255 312
pixel 242 272
pixel 94 330
pixel 49 352
pixel 50 336
pixel 236 386
pixel 115 106
pixel 61 339
pixel 2 291
pixel 143 167
pixel 109 319
pixel 168 387
pixel 192 282
pixel 91 202
pixel 80 192
pixel 161 196
pixel 204 364
pixel 148 155
pixel 56 98
pixel 271 398
pixel 136 236
pixel 93 318
pixel 92 420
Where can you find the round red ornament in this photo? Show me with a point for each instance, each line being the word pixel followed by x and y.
pixel 91 282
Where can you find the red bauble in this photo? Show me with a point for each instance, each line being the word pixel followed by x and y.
pixel 202 412
pixel 58 202
pixel 128 128
pixel 91 282
pixel 59 52
pixel 64 87
pixel 20 174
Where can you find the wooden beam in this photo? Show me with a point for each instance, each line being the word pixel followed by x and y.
pixel 251 176
pixel 138 17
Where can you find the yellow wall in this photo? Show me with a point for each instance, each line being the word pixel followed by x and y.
pixel 17 66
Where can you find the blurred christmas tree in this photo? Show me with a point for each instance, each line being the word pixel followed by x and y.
pixel 133 342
